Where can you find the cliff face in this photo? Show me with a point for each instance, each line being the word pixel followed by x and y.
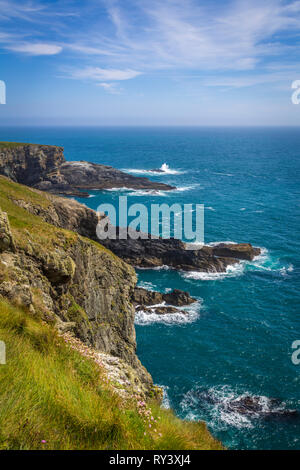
pixel 29 164
pixel 44 167
pixel 146 253
pixel 66 279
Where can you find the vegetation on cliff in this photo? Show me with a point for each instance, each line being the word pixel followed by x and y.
pixel 52 397
pixel 64 298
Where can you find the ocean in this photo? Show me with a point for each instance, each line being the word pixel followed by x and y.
pixel 237 339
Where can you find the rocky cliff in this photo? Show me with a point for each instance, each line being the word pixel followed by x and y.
pixel 146 253
pixel 44 167
pixel 67 279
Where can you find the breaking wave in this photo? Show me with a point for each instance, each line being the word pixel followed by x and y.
pixel 262 262
pixel 177 318
pixel 225 407
pixel 163 170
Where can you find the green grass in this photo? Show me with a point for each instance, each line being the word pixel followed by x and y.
pixel 11 144
pixel 18 144
pixel 49 392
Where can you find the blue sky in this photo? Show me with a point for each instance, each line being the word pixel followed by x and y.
pixel 149 62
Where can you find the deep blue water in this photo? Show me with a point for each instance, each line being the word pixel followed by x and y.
pixel 239 336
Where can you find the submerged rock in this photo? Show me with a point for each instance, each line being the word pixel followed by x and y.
pixel 260 406
pixel 250 406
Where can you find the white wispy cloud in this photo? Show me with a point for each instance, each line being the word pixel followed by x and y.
pixel 35 49
pixel 117 40
pixel 110 88
pixel 191 34
pixel 99 74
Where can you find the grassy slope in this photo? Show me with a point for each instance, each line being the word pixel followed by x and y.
pixel 49 392
pixel 17 144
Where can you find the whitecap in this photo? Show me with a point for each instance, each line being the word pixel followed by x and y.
pixel 150 192
pixel 233 270
pixel 262 262
pixel 163 170
pixel 218 243
pixel 146 285
pixel 222 174
pixel 163 267
pixel 185 188
pixel 166 400
pixel 285 270
pixel 215 403
pixel 209 208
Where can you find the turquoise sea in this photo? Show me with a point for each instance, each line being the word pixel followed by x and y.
pixel 238 338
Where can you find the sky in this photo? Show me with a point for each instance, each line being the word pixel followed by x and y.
pixel 149 62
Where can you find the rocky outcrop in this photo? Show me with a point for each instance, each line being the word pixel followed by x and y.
pixel 177 297
pixel 249 406
pixel 28 163
pixel 153 302
pixel 157 252
pixel 44 167
pixel 242 251
pixel 75 283
pixel 143 253
pixel 86 175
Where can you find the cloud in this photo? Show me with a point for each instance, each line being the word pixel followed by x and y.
pixel 110 88
pixel 35 49
pixel 250 80
pixel 162 37
pixel 99 74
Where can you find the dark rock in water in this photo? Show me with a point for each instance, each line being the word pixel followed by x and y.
pixel 176 297
pixel 150 301
pixel 243 251
pixel 156 252
pixel 261 407
pixel 252 406
pixel 146 297
pixel 44 167
pixel 86 175
pixel 157 170
pixel 159 310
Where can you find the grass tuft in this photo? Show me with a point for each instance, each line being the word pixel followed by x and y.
pixel 51 397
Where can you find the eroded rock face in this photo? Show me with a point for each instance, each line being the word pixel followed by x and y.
pixel 28 163
pixel 144 253
pixel 153 253
pixel 79 285
pixel 44 167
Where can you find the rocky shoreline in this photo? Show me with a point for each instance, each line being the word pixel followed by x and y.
pixel 159 303
pixel 44 167
pixel 58 268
